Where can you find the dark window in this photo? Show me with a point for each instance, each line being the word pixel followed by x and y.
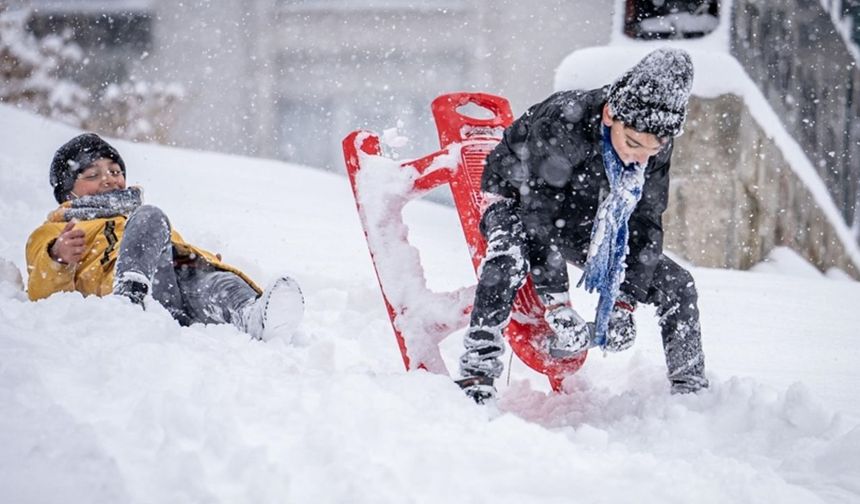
pixel 102 31
pixel 109 40
pixel 851 11
pixel 666 19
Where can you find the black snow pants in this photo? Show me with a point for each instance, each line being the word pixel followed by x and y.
pixel 192 291
pixel 512 254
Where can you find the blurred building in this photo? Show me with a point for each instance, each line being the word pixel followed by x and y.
pixel 803 56
pixel 735 195
pixel 289 79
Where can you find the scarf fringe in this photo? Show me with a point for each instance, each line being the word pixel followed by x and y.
pixel 604 267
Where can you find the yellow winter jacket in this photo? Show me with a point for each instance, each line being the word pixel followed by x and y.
pixel 93 275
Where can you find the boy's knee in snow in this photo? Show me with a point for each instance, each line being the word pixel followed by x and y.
pixel 500 216
pixel 502 268
pixel 149 211
pixel 149 214
pixel 685 285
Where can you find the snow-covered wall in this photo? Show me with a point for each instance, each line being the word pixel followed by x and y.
pixel 804 61
pixel 736 195
pixel 742 184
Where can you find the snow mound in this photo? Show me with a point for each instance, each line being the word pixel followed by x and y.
pixel 103 402
pixel 11 283
pixel 164 414
pixel 783 260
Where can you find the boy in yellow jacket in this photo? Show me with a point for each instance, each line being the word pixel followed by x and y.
pixel 103 240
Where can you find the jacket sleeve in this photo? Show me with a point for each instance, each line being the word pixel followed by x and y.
pixel 505 168
pixel 46 276
pixel 539 149
pixel 646 229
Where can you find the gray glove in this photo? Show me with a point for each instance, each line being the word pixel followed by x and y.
pixel 622 328
pixel 571 333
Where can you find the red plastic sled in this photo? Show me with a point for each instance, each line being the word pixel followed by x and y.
pixel 382 187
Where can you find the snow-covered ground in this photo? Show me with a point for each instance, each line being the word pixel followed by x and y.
pixel 101 402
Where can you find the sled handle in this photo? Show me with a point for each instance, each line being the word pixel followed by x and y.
pixel 454 126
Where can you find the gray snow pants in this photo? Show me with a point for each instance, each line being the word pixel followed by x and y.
pixel 512 255
pixel 192 292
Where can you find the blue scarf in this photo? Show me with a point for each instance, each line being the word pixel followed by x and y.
pixel 604 268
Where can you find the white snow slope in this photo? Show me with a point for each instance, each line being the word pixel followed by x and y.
pixel 101 402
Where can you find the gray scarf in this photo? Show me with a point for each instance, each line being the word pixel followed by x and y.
pixel 104 205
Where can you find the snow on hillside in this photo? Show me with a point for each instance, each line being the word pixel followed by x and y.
pixel 101 402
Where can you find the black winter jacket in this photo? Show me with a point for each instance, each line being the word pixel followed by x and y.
pixel 550 161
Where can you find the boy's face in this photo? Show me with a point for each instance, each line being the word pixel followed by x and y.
pixel 102 176
pixel 632 146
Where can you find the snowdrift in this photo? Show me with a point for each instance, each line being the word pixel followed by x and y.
pixel 101 402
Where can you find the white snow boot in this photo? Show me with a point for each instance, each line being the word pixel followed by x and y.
pixel 278 311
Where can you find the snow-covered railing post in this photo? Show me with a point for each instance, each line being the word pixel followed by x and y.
pixel 382 187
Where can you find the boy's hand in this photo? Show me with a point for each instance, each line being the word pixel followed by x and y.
pixel 69 247
pixel 622 328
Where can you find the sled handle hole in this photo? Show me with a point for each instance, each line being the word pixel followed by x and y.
pixel 474 111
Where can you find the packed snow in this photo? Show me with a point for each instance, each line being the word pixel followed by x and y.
pixel 102 402
pixel 382 190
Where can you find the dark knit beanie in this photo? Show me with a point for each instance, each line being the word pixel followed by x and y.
pixel 75 156
pixel 652 96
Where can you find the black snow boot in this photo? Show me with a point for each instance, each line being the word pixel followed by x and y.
pixel 688 385
pixel 133 286
pixel 479 388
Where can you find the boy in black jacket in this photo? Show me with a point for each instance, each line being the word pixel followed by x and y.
pixel 584 177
